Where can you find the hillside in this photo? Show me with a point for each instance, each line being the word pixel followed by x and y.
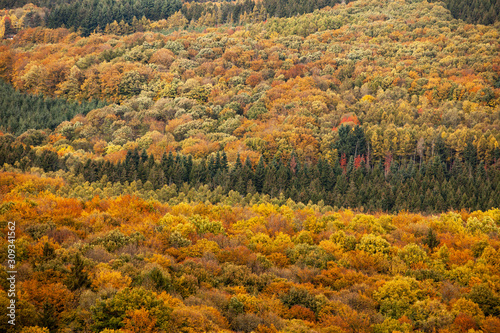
pixel 481 12
pixel 269 167
pixel 374 98
pixel 131 265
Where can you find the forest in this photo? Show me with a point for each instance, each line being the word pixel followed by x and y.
pixel 125 264
pixel 22 112
pixel 91 15
pixel 251 166
pixel 353 125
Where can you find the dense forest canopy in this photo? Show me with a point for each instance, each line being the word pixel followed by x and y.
pixel 92 15
pixel 21 112
pixel 373 97
pixel 237 166
pixel 476 11
pixel 127 264
pixel 88 15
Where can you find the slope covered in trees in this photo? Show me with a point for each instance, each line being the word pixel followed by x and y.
pixel 88 15
pixel 253 170
pixel 429 187
pixel 477 11
pixel 251 11
pixel 125 264
pixel 21 112
pixel 367 95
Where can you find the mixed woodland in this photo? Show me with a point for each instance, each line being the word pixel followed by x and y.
pixel 251 166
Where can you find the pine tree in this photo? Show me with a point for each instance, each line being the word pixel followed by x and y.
pixel 431 239
pixel 470 154
pixel 78 277
pixel 260 175
pixel 48 317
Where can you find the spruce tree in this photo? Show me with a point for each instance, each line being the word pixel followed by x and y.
pixel 260 174
pixel 78 277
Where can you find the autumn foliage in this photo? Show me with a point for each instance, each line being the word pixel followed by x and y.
pixel 138 265
pixel 275 166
